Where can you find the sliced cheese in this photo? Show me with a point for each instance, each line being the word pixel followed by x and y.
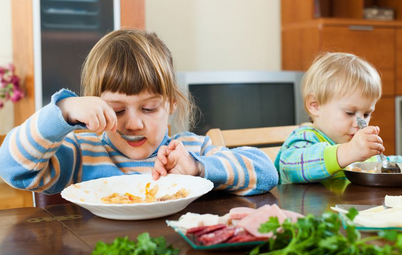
pixel 393 201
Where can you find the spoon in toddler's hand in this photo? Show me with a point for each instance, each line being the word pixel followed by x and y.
pixel 130 138
pixel 387 167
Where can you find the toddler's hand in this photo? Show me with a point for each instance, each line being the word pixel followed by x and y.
pixel 364 144
pixel 94 112
pixel 175 159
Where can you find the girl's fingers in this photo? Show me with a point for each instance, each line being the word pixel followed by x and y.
pixel 159 170
pixel 111 121
pixel 174 171
pixel 173 144
pixel 155 175
pixel 93 124
pixel 163 153
pixel 160 162
pixel 102 122
pixel 160 167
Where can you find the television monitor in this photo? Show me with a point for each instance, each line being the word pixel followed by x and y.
pixel 244 99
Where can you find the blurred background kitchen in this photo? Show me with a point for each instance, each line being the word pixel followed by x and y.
pixel 203 35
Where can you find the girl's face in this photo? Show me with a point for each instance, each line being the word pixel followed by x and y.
pixel 337 118
pixel 144 115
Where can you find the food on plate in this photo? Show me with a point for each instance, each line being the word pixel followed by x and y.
pixel 88 194
pixel 253 221
pixel 241 224
pixel 381 216
pixel 358 169
pixel 393 201
pixel 193 220
pixel 150 196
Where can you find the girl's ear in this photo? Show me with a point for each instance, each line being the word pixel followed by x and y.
pixel 312 105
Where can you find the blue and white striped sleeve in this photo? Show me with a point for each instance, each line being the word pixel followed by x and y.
pixel 242 171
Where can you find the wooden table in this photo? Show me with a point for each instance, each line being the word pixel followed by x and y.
pixel 32 230
pixel 70 229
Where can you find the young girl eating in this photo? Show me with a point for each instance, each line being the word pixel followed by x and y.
pixel 129 86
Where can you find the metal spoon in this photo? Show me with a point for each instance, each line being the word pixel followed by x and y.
pixel 387 167
pixel 130 138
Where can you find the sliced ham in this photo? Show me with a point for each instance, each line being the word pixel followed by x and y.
pixel 293 216
pixel 240 212
pixel 253 222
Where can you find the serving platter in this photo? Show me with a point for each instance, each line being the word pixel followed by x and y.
pixel 346 220
pixel 192 241
pixel 374 178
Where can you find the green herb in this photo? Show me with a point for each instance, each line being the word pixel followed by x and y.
pixel 321 235
pixel 145 245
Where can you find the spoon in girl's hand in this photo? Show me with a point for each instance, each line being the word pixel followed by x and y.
pixel 387 167
pixel 130 138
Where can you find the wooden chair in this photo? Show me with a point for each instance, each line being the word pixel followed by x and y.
pixel 268 139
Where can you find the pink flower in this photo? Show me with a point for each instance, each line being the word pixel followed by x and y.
pixel 17 95
pixel 9 85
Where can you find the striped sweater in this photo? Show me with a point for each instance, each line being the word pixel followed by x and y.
pixel 45 155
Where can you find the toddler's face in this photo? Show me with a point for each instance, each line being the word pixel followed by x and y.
pixel 144 115
pixel 337 118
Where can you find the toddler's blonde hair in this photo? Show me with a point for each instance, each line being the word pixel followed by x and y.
pixel 337 74
pixel 131 62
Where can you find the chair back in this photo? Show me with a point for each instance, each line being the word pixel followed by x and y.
pixel 268 139
pixel 2 139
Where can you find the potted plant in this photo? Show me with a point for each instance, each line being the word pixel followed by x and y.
pixel 9 85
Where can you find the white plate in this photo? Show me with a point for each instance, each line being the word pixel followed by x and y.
pixel 88 195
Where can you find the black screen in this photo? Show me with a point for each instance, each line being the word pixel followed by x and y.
pixel 241 105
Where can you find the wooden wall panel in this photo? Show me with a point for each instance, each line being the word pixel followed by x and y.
pixel 365 44
pixel 133 14
pixel 398 55
pixel 299 47
pixel 296 11
pixel 348 9
pixel 22 31
pixel 384 117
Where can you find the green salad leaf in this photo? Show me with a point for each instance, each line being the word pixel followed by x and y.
pixel 145 245
pixel 322 235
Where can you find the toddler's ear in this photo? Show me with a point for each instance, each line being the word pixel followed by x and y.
pixel 312 105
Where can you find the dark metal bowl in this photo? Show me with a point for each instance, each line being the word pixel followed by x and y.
pixel 376 179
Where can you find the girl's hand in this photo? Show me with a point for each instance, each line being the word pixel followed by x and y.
pixel 94 112
pixel 364 144
pixel 175 159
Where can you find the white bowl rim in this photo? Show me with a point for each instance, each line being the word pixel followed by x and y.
pixel 207 183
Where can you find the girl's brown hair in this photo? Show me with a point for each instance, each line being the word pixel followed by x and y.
pixel 131 62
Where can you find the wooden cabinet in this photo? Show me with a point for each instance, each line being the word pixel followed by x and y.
pixel 365 43
pixel 323 25
pixel 132 14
